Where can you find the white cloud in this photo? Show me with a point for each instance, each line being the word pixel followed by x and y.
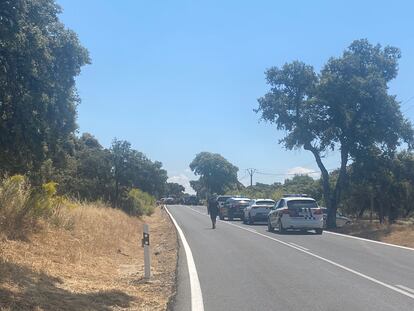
pixel 299 170
pixel 184 180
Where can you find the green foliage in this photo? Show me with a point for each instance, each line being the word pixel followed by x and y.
pixel 346 107
pixel 39 61
pixel 174 190
pixel 385 182
pixel 21 205
pixel 132 169
pixel 138 203
pixel 216 173
pixel 298 184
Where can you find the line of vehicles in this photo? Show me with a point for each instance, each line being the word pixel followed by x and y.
pixel 186 200
pixel 292 211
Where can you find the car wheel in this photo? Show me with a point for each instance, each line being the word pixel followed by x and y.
pixel 318 231
pixel 269 226
pixel 243 218
pixel 280 227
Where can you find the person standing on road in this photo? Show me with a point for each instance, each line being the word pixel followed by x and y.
pixel 212 209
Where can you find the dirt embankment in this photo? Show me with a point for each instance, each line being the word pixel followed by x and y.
pixel 93 262
pixel 401 233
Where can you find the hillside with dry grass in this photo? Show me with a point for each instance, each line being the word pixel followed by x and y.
pixel 86 257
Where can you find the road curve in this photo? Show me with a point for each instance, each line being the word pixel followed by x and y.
pixel 243 267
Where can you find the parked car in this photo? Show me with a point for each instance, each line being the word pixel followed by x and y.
pixel 167 201
pixel 341 219
pixel 257 210
pixel 233 208
pixel 221 199
pixel 296 212
pixel 191 200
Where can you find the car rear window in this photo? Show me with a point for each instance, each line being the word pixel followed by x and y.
pixel 264 202
pixel 222 199
pixel 242 202
pixel 302 204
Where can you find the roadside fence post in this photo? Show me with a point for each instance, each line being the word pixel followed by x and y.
pixel 146 246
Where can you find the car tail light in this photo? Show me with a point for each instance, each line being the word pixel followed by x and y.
pixel 284 211
pixel 317 211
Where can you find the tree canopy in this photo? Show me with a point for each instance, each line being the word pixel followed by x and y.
pixel 173 189
pixel 39 61
pixel 345 107
pixel 216 173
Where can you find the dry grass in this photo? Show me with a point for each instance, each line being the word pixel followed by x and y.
pixel 401 233
pixel 92 261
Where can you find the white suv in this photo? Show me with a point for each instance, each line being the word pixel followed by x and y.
pixel 296 212
pixel 258 210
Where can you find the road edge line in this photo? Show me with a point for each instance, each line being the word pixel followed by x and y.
pixel 368 240
pixel 197 303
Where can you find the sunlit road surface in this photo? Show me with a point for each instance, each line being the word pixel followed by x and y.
pixel 244 267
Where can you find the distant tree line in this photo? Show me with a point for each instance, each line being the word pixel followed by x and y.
pixel 378 185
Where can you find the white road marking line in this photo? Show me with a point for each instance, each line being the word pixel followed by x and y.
pixel 196 294
pixel 368 240
pixel 406 288
pixel 306 249
pixel 394 288
pixel 251 230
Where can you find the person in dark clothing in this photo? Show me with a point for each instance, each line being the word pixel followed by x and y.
pixel 213 210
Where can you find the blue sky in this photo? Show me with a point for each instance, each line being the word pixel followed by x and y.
pixel 179 77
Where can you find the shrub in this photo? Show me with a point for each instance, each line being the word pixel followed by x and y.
pixel 21 205
pixel 138 203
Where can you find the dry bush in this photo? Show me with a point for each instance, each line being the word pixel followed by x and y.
pixel 15 204
pixel 22 206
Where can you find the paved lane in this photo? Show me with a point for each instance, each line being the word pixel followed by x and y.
pixel 243 270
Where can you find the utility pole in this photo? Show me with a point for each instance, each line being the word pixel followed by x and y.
pixel 251 172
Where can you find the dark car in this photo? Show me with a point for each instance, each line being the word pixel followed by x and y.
pixel 191 200
pixel 221 199
pixel 233 208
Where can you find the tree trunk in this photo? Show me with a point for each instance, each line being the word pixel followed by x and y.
pixel 325 178
pixel 331 198
pixel 336 196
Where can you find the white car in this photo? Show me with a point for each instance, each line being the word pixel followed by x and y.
pixel 258 210
pixel 296 212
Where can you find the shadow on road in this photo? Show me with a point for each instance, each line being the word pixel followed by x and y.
pixel 294 232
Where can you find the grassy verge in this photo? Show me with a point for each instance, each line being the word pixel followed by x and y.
pixel 88 258
pixel 401 233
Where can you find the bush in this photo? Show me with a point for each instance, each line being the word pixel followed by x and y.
pixel 138 203
pixel 21 205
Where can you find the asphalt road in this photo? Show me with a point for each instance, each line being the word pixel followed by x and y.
pixel 242 267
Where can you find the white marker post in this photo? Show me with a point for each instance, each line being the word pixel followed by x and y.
pixel 147 257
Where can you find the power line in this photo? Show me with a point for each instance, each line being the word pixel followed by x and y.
pixel 406 101
pixel 284 174
pixel 244 176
